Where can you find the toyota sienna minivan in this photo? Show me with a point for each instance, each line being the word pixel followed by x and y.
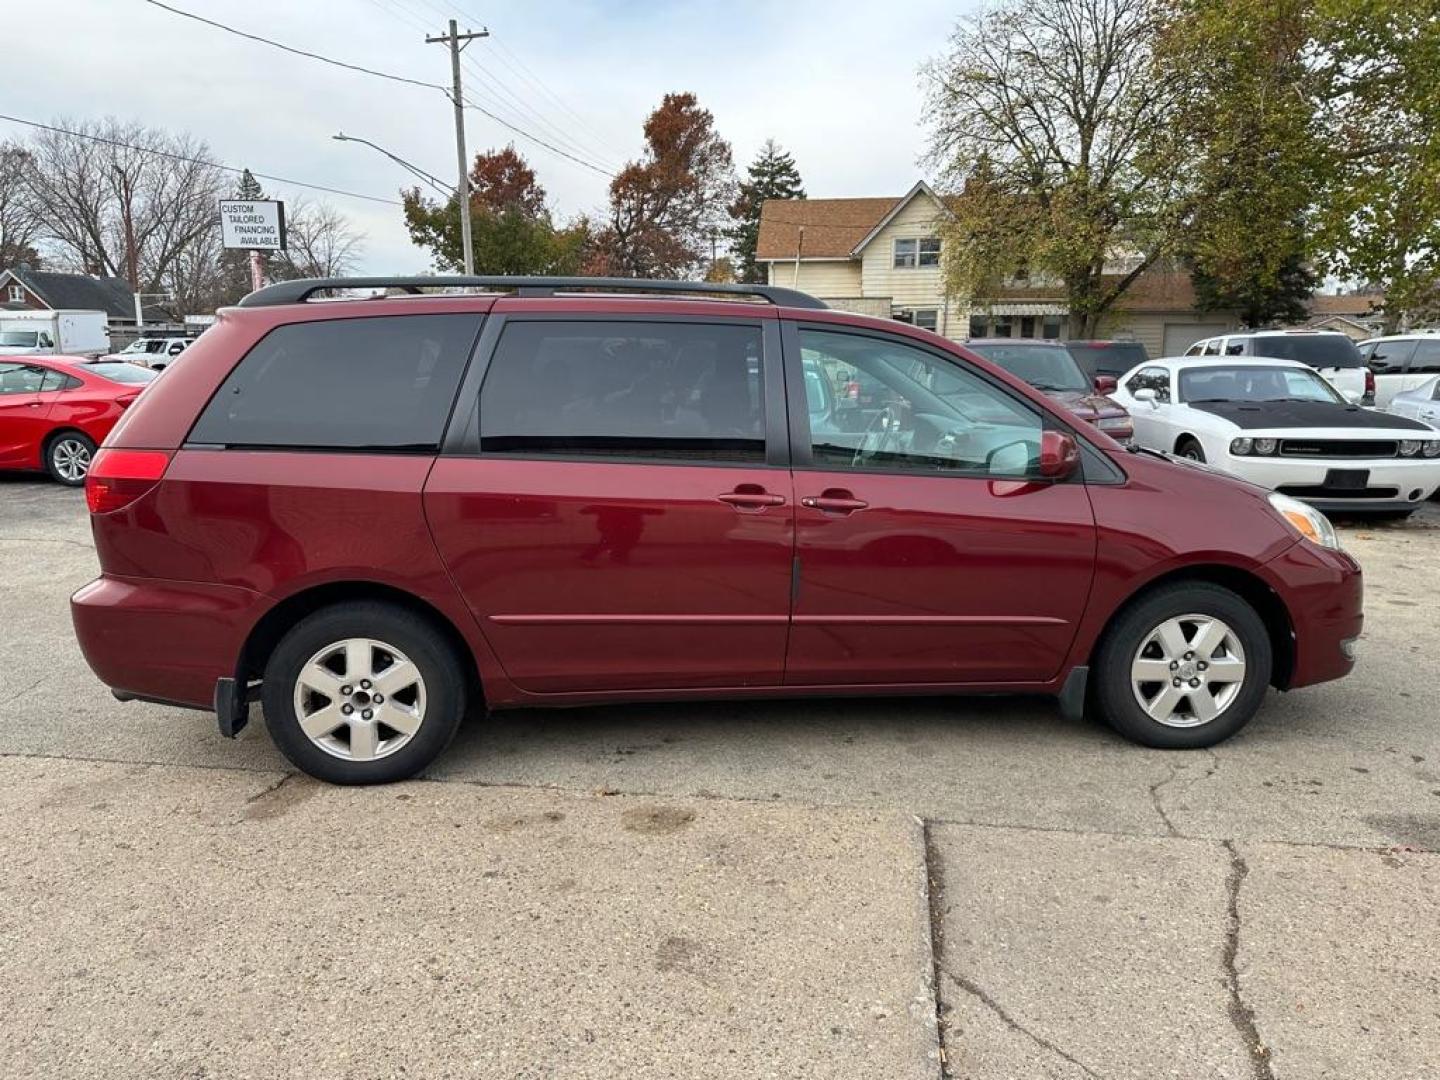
pixel 370 515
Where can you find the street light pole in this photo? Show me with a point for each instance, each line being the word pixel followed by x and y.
pixel 436 183
pixel 457 41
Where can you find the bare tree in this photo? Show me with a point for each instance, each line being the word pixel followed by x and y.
pixel 122 199
pixel 19 224
pixel 1048 125
pixel 320 242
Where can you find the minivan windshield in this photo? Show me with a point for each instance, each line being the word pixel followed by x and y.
pixel 1316 350
pixel 1254 383
pixel 1045 367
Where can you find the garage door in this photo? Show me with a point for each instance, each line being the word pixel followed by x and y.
pixel 1180 336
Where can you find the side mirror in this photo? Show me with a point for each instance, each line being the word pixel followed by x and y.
pixel 1105 384
pixel 1059 455
pixel 1147 394
pixel 1354 397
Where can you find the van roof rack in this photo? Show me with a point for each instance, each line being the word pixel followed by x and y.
pixel 297 292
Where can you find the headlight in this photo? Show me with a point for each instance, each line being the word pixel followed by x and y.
pixel 1432 448
pixel 1266 446
pixel 1306 520
pixel 1113 423
pixel 1241 447
pixel 1409 447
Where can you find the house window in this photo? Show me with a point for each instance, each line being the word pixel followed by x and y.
pixel 925 318
pixel 979 326
pixel 17 294
pixel 917 251
pixel 1004 326
pixel 1027 326
pixel 1051 326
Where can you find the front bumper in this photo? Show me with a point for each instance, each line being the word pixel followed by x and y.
pixel 1324 592
pixel 1392 483
pixel 163 640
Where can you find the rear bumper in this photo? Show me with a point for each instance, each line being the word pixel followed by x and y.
pixel 1324 593
pixel 163 640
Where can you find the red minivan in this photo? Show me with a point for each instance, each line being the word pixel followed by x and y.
pixel 372 514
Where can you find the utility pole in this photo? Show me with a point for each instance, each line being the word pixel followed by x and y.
pixel 132 264
pixel 457 42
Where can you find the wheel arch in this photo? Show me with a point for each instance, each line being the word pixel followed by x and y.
pixel 272 626
pixel 1251 588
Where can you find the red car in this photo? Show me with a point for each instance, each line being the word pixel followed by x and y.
pixel 54 411
pixel 371 514
pixel 1052 369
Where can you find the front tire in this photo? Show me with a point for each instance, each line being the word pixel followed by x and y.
pixel 1183 668
pixel 1191 449
pixel 363 693
pixel 68 457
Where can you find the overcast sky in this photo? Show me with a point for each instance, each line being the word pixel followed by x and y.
pixel 835 83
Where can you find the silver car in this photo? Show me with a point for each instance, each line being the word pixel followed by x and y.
pixel 1421 403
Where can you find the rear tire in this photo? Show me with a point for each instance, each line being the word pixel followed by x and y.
pixel 1190 448
pixel 363 693
pixel 1184 667
pixel 68 456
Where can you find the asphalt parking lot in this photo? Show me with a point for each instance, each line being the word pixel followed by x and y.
pixel 974 888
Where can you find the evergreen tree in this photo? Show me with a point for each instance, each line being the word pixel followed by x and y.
pixel 772 175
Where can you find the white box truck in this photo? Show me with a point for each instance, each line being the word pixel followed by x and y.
pixel 66 332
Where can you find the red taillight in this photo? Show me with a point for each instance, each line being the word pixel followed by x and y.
pixel 119 477
pixel 1369 383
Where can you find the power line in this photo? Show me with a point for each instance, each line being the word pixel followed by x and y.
pixel 292 49
pixel 382 75
pixel 198 161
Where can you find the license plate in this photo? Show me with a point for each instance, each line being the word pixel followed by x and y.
pixel 1348 479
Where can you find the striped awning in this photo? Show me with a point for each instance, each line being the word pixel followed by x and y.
pixel 1021 307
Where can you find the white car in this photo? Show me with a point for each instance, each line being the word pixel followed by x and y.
pixel 1329 352
pixel 1401 362
pixel 1419 403
pixel 152 352
pixel 1278 424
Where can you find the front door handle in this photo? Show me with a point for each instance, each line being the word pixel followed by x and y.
pixel 837 501
pixel 751 500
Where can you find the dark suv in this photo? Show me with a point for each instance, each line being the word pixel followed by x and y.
pixel 371 514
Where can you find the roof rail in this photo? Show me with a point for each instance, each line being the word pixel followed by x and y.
pixel 297 292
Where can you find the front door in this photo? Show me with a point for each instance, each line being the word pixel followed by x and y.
pixel 622 518
pixel 23 412
pixel 928 551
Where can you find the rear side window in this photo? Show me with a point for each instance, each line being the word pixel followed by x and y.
pixel 1388 357
pixel 1317 350
pixel 378 384
pixel 1426 360
pixel 621 389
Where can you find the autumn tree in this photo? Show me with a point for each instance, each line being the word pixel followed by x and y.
pixel 666 207
pixel 511 228
pixel 1245 128
pixel 19 223
pixel 1048 118
pixel 1378 101
pixel 772 175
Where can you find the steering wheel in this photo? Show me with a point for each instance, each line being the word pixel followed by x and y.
pixel 885 424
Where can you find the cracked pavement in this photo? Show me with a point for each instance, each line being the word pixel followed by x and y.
pixel 752 894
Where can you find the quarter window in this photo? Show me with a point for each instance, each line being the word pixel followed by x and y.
pixel 911 252
pixel 385 383
pixel 884 405
pixel 689 392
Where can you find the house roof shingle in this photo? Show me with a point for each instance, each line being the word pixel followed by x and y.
pixel 107 294
pixel 832 226
pixel 1351 304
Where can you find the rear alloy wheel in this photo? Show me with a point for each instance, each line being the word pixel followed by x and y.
pixel 1185 667
pixel 363 693
pixel 68 457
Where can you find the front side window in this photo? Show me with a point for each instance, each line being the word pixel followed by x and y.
pixel 1389 357
pixel 674 391
pixel 1254 384
pixel 912 411
pixel 1152 378
pixel 21 379
pixel 378 384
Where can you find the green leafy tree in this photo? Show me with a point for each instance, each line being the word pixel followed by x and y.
pixel 772 175
pixel 1049 123
pixel 1378 100
pixel 1246 130
pixel 510 225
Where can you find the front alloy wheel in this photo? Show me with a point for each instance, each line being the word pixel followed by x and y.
pixel 1188 670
